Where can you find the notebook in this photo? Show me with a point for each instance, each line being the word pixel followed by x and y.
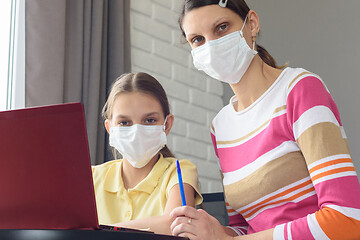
pixel 45 170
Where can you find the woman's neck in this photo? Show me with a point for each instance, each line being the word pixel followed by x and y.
pixel 132 176
pixel 255 82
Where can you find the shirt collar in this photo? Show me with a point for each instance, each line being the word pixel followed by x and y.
pixel 114 183
pixel 113 180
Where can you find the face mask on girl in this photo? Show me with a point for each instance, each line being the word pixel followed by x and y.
pixel 138 143
pixel 225 59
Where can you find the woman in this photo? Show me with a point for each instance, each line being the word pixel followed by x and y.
pixel 287 170
pixel 140 190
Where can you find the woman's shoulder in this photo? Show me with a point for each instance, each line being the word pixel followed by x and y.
pixel 224 112
pixel 294 75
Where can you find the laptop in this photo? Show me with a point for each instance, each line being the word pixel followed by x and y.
pixel 45 170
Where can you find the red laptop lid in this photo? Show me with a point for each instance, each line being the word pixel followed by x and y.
pixel 45 170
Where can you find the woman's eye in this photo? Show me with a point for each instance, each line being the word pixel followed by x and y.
pixel 197 40
pixel 222 27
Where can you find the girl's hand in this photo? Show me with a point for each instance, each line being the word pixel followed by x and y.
pixel 196 224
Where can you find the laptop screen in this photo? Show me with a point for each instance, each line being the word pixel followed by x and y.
pixel 45 169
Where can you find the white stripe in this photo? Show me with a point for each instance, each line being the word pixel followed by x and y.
pixel 312 116
pixel 347 211
pixel 243 228
pixel 211 130
pixel 279 232
pixel 232 213
pixel 228 145
pixel 343 132
pixel 281 150
pixel 328 159
pixel 228 207
pixel 315 229
pixel 281 197
pixel 238 231
pixel 283 189
pixel 331 167
pixel 333 176
pixel 299 199
pixel 289 231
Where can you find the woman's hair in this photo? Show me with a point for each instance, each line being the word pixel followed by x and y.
pixel 138 82
pixel 240 8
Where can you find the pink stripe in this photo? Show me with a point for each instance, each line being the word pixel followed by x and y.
pixel 213 139
pixel 344 191
pixel 233 158
pixel 284 214
pixel 307 93
pixel 300 229
pixel 237 220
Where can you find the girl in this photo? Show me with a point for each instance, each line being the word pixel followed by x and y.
pixel 140 190
pixel 287 170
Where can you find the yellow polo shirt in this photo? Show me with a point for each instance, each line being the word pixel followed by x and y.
pixel 148 198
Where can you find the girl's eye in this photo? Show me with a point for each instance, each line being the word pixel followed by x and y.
pixel 123 123
pixel 150 121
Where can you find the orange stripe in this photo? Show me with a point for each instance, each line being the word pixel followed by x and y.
pixel 330 172
pixel 230 210
pixel 278 195
pixel 280 201
pixel 326 164
pixel 336 225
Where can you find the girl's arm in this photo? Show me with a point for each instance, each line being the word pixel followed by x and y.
pixel 161 224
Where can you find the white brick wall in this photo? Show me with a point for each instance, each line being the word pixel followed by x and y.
pixel 195 99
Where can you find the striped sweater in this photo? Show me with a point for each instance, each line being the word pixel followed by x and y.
pixel 286 163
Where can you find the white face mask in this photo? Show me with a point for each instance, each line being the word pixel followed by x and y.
pixel 226 58
pixel 138 143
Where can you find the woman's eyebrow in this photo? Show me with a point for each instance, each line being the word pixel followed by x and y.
pixel 221 19
pixel 214 24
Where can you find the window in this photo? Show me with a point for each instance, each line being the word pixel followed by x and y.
pixel 12 54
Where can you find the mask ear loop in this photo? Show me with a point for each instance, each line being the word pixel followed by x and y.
pixel 254 42
pixel 244 23
pixel 164 125
pixel 253 38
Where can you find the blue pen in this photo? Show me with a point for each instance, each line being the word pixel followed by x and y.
pixel 181 185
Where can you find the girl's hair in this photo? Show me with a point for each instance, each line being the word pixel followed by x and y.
pixel 240 8
pixel 138 82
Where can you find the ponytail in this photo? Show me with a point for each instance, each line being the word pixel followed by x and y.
pixel 267 58
pixel 165 151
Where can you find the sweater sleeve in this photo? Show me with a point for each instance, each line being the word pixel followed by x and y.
pixel 315 123
pixel 236 221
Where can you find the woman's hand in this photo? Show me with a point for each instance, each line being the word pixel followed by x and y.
pixel 196 224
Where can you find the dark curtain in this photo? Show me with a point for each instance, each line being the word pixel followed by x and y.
pixel 74 51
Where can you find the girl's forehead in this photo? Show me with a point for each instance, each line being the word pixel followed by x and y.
pixel 135 103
